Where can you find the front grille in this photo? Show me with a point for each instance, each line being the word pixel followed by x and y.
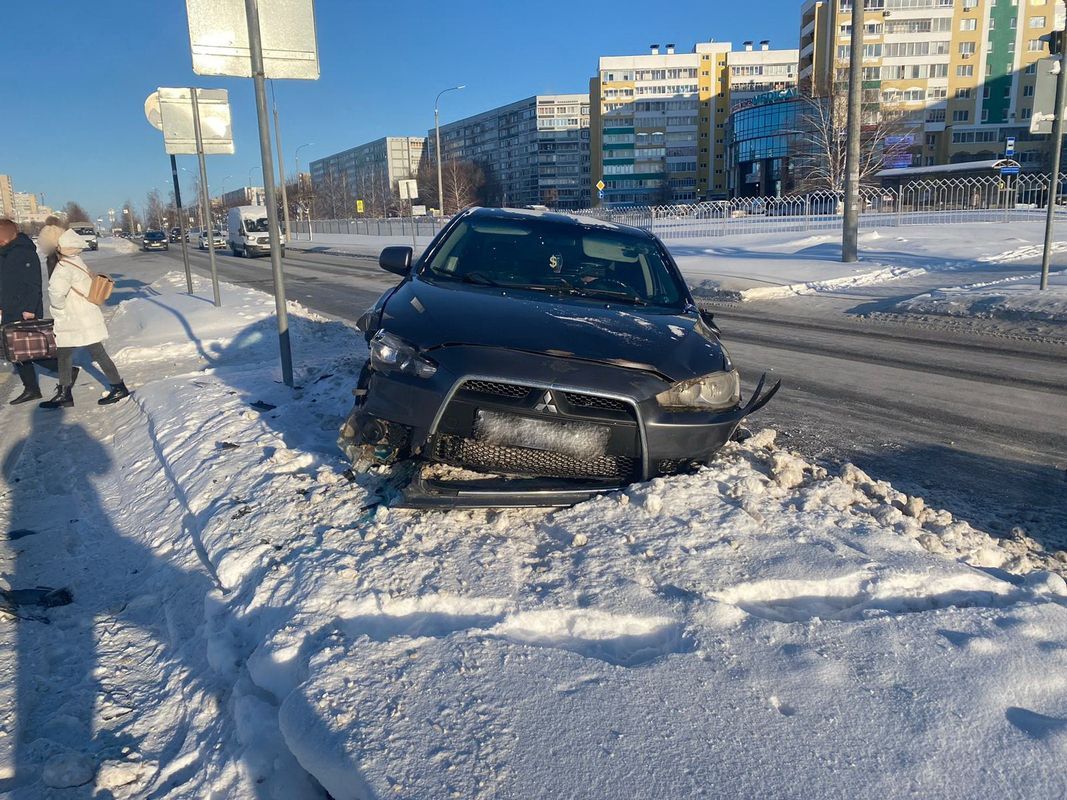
pixel 595 401
pixel 482 456
pixel 496 389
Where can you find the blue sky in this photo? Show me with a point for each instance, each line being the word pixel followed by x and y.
pixel 74 125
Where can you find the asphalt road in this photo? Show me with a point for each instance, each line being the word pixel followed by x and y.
pixel 974 423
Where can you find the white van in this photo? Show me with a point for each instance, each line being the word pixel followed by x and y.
pixel 87 231
pixel 248 231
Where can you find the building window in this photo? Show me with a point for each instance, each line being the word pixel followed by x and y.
pixel 1024 113
pixel 968 24
pixel 985 115
pixel 964 94
pixel 961 115
pixel 1028 91
pixel 1031 69
pixel 965 71
pixel 1035 46
pixel 1037 22
pixel 967 48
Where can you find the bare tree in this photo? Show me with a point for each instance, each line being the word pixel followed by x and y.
pixel 154 210
pixel 464 182
pixel 130 221
pixel 818 162
pixel 75 213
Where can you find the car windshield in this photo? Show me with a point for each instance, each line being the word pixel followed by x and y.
pixel 85 231
pixel 154 236
pixel 544 255
pixel 256 225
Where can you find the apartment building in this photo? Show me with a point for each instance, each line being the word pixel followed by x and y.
pixel 534 151
pixel 7 197
pixel 367 172
pixel 658 119
pixel 245 196
pixel 959 74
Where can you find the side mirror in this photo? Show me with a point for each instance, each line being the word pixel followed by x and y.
pixel 396 260
pixel 709 320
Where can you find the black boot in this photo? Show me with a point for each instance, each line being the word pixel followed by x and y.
pixel 27 395
pixel 62 399
pixel 118 391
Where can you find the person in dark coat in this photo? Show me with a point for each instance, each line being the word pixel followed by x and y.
pixel 20 294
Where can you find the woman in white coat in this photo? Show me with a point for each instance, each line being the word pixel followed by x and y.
pixel 78 323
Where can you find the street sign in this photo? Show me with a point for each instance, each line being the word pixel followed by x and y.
pixel 600 194
pixel 151 111
pixel 218 35
pixel 1009 170
pixel 418 211
pixel 1009 146
pixel 179 131
pixel 600 186
pixel 359 206
pixel 1044 109
pixel 409 189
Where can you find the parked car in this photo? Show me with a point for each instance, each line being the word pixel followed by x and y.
pixel 219 240
pixel 557 356
pixel 249 233
pixel 192 235
pixel 176 235
pixel 88 233
pixel 154 240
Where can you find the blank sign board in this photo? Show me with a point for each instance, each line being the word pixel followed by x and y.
pixel 218 34
pixel 176 112
pixel 1044 112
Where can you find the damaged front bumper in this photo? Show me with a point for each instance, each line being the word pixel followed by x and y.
pixel 397 416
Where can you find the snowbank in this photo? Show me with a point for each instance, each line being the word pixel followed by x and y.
pixel 759 628
pixel 1011 298
pixel 780 265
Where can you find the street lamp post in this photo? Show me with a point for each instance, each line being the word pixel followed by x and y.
pixel 437 151
pixel 296 177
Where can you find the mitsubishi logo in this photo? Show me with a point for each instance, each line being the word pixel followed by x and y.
pixel 547 404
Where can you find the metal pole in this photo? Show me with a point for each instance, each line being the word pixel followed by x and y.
pixel 850 231
pixel 205 200
pixel 437 158
pixel 281 165
pixel 1057 151
pixel 255 47
pixel 181 223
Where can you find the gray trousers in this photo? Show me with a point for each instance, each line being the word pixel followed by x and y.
pixel 65 355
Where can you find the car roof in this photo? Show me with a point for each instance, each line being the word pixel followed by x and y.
pixel 556 217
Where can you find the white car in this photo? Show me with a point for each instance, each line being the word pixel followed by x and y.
pixel 219 240
pixel 88 233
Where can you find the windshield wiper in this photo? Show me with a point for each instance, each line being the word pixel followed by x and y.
pixel 479 278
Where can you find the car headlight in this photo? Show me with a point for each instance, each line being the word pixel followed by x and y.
pixel 391 353
pixel 718 390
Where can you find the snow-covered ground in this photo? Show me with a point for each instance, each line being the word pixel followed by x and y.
pixel 251 621
pixel 1009 298
pixel 779 265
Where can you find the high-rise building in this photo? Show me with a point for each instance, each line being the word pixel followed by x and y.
pixel 658 119
pixel 7 197
pixel 245 196
pixel 367 172
pixel 24 207
pixel 958 75
pixel 534 151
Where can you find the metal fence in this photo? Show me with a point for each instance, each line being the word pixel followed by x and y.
pixel 391 226
pixel 930 202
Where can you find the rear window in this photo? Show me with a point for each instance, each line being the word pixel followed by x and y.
pixel 85 231
pixel 154 236
pixel 547 255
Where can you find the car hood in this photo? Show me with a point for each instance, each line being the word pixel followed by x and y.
pixel 675 345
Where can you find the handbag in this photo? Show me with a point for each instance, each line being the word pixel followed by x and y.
pixel 99 290
pixel 29 340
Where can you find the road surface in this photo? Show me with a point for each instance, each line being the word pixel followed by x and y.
pixel 974 423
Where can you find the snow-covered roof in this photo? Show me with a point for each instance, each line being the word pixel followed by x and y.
pixel 937 169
